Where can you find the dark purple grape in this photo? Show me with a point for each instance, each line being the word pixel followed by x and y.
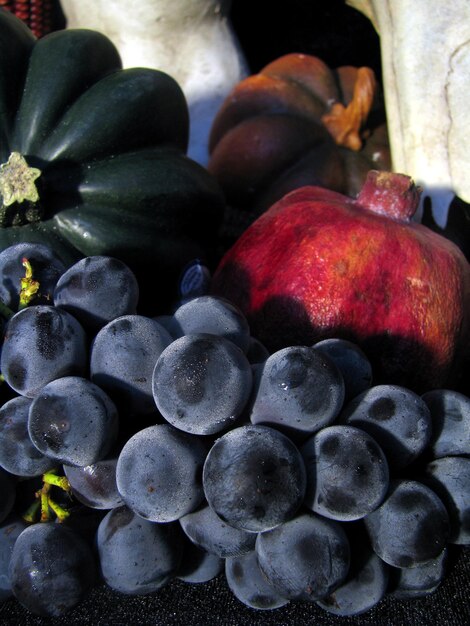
pixel 347 473
pixel 51 569
pixel 205 529
pixel 197 565
pixel 46 265
pixel 450 414
pixel 419 581
pixel 137 556
pixel 73 421
pixel 254 478
pixel 201 383
pixel 213 315
pixel 257 352
pixel 365 584
pixel 95 485
pixel 410 527
pixel 306 558
pixel 449 477
pixel 300 391
pixel 396 417
pixel 158 473
pixel 18 454
pixel 249 584
pixel 96 290
pixel 352 362
pixel 42 343
pixel 170 324
pixel 9 531
pixel 123 356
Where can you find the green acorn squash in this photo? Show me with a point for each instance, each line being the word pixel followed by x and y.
pixel 93 158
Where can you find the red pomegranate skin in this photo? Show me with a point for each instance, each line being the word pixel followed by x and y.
pixel 319 264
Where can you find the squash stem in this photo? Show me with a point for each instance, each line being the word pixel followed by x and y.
pixel 344 123
pixel 17 180
pixel 18 192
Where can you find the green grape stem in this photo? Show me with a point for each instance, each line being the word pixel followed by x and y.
pixel 51 478
pixel 44 504
pixel 31 513
pixel 29 286
pixel 5 311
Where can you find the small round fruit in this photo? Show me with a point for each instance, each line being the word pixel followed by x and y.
pixel 254 478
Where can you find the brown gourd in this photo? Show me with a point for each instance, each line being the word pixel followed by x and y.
pixel 297 122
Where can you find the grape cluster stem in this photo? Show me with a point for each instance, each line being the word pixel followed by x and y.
pixel 44 502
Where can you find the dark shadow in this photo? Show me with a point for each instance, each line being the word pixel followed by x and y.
pixel 457 228
pixel 283 321
pixel 329 29
pixel 58 184
pixel 156 232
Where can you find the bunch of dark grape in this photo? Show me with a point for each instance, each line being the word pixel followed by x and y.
pixel 138 450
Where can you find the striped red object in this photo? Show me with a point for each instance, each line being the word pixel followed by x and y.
pixel 37 14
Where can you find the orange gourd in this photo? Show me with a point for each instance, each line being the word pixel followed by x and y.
pixel 297 122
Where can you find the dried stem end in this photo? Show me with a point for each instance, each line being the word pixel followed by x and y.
pixel 344 123
pixel 391 194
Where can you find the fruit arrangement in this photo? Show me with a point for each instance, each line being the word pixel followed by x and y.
pixel 137 450
pixel 305 454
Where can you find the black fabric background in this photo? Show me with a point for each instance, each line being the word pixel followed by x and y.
pixel 213 604
pixel 329 29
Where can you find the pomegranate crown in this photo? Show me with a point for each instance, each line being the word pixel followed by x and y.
pixel 391 194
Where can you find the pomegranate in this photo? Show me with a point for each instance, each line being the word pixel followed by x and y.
pixel 320 264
